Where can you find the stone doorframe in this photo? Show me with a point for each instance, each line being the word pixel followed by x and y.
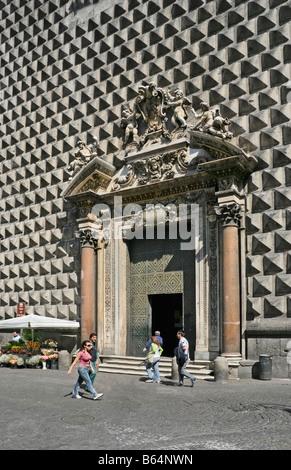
pixel 219 175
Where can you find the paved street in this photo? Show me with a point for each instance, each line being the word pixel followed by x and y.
pixel 37 412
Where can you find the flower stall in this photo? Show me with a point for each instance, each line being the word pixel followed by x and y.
pixel 30 354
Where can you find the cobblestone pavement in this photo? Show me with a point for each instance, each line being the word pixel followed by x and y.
pixel 37 412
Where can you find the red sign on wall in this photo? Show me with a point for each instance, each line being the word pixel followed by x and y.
pixel 21 308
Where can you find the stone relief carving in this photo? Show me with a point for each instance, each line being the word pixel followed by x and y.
pixel 154 109
pixel 152 169
pixel 157 116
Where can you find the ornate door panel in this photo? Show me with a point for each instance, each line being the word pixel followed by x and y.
pixel 156 267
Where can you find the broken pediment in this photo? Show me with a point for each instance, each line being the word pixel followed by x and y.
pixel 95 176
pixel 167 146
pixel 186 158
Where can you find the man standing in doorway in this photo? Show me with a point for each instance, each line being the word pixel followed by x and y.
pixel 183 359
pixel 158 336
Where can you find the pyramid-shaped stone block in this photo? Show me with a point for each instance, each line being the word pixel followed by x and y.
pixel 262 243
pixel 262 286
pixel 274 307
pixel 273 263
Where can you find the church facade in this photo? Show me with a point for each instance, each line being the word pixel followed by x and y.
pixel 144 172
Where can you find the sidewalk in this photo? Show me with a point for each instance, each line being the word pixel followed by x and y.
pixel 38 413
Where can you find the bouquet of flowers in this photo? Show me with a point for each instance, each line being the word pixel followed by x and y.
pixel 47 352
pixel 51 343
pixel 43 358
pixel 53 357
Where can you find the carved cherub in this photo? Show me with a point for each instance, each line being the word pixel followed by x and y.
pixel 179 103
pixel 76 165
pixel 129 124
pixel 168 167
pixel 83 152
pixel 205 119
pixel 141 170
pixel 155 167
pixel 83 155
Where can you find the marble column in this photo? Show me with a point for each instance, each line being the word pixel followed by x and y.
pixel 229 214
pixel 89 246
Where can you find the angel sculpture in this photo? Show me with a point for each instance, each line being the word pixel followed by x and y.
pixel 180 104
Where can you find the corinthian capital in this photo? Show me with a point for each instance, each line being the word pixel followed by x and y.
pixel 88 238
pixel 229 214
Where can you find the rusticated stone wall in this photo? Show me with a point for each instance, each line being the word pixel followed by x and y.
pixel 66 69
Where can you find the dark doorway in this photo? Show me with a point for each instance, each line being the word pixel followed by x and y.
pixel 167 317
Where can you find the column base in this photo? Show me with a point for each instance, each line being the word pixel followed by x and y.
pixel 233 360
pixel 232 357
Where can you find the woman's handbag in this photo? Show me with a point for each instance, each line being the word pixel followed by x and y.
pixel 150 358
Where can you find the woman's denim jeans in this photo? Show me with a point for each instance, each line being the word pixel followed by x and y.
pixel 155 366
pixel 84 377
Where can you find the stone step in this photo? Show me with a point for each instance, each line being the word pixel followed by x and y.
pixel 135 366
pixel 164 360
pixel 142 373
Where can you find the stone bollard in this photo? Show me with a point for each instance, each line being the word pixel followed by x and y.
pixel 175 373
pixel 64 360
pixel 221 369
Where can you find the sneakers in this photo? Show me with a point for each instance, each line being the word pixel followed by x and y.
pixel 193 382
pixel 76 396
pixel 149 381
pixel 179 384
pixel 99 395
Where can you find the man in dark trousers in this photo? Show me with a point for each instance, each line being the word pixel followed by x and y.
pixel 94 356
pixel 183 359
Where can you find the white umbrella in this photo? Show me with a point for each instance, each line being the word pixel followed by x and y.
pixel 37 322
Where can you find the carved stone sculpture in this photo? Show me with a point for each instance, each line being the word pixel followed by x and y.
pixel 205 119
pixel 219 126
pixel 83 155
pixel 179 103
pixel 212 123
pixel 129 124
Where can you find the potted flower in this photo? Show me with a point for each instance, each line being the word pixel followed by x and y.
pixel 43 358
pixel 4 360
pixel 54 360
pixel 20 362
pixel 13 363
pixel 33 361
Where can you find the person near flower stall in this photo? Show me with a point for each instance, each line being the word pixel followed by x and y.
pixel 84 359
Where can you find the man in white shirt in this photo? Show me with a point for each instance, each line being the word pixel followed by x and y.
pixel 183 359
pixel 16 336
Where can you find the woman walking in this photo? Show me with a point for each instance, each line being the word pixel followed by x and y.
pixel 155 352
pixel 83 370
